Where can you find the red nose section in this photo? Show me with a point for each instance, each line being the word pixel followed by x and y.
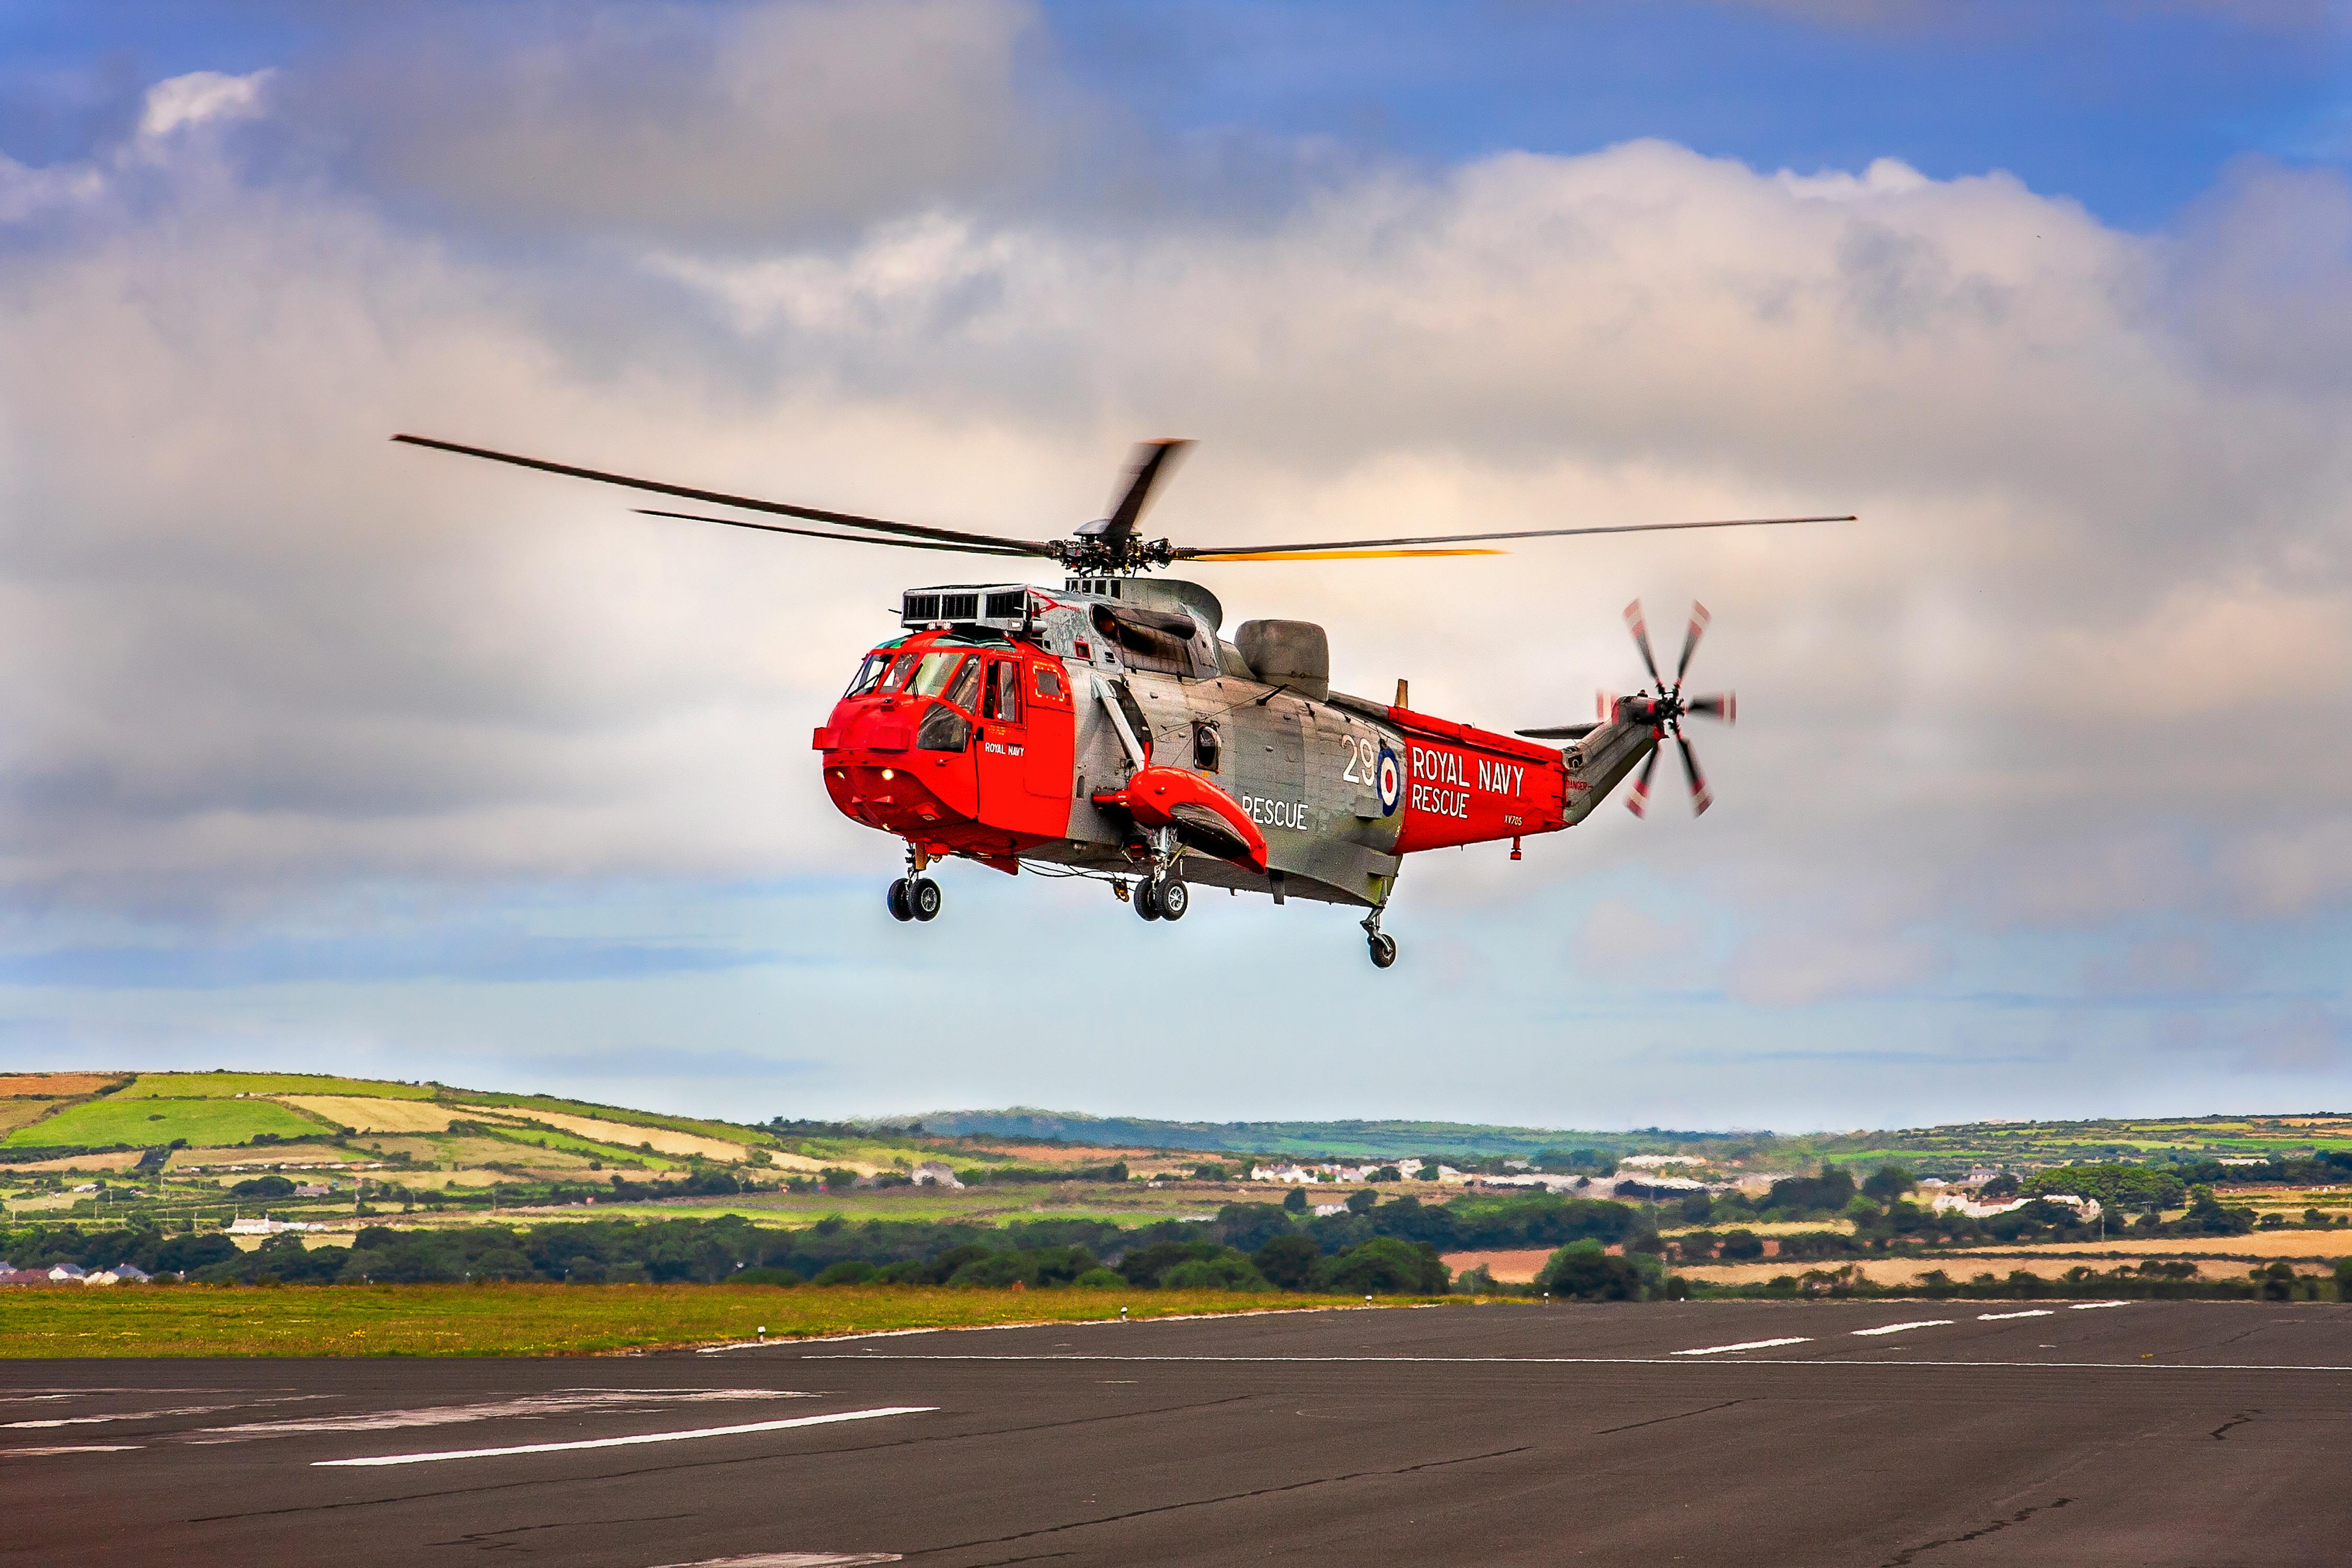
pixel 1203 816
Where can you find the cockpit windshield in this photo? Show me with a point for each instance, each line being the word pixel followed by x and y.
pixel 931 675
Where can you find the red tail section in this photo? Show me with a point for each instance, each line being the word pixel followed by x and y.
pixel 1466 786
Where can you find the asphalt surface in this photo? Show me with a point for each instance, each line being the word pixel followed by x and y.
pixel 2191 1433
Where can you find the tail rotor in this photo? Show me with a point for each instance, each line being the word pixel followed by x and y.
pixel 1665 708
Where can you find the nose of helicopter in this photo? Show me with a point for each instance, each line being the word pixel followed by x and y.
pixel 873 775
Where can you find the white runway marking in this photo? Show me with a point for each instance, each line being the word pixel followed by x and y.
pixel 2094 1306
pixel 794 1560
pixel 2004 1316
pixel 1746 1345
pixel 75 1449
pixel 1903 1328
pixel 155 1413
pixel 562 1402
pixel 642 1437
pixel 1666 1359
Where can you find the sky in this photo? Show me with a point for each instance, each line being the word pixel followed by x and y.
pixel 317 752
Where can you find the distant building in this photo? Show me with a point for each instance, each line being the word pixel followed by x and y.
pixel 263 1226
pixel 2219 1159
pixel 1547 1184
pixel 26 1277
pixel 120 1274
pixel 314 1189
pixel 65 1271
pixel 1322 1210
pixel 936 1174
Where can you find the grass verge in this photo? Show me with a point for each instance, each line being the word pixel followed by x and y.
pixel 534 1320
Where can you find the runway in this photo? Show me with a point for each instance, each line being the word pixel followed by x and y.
pixel 1719 1433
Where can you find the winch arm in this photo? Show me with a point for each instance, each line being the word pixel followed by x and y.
pixel 1127 738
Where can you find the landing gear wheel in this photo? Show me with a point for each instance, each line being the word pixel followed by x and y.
pixel 924 898
pixel 1147 900
pixel 900 908
pixel 1173 899
pixel 1383 949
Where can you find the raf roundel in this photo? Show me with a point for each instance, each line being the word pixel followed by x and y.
pixel 1391 782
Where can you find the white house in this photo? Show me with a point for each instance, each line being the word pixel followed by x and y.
pixel 935 1174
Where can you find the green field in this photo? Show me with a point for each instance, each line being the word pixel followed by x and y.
pixel 536 1319
pixel 224 1085
pixel 121 1119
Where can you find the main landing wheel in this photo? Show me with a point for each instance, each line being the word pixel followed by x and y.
pixel 924 897
pixel 900 908
pixel 1173 899
pixel 1147 900
pixel 1383 948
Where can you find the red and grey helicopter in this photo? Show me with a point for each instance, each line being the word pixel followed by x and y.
pixel 1108 728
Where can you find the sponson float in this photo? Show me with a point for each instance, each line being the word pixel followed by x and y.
pixel 1109 728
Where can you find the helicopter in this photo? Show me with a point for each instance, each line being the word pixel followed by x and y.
pixel 1109 729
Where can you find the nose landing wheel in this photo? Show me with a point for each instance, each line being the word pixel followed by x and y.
pixel 1382 945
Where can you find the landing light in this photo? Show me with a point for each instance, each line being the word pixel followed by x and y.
pixel 887 773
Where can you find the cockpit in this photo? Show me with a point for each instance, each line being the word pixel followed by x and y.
pixel 953 687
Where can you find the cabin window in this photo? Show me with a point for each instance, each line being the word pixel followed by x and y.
pixel 1207 748
pixel 1049 681
pixel 1002 702
pixel 932 674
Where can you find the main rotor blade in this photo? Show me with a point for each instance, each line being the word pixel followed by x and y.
pixel 1641 631
pixel 1321 554
pixel 1197 552
pixel 1559 732
pixel 721 497
pixel 1699 617
pixel 1723 705
pixel 1700 799
pixel 1151 462
pixel 819 534
pixel 1638 803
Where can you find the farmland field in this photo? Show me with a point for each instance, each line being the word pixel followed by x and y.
pixel 533 1320
pixel 624 1135
pixel 224 1085
pixel 121 1119
pixel 56 1085
pixel 374 1113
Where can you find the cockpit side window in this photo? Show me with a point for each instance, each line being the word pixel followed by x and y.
pixel 1003 701
pixel 901 668
pixel 965 692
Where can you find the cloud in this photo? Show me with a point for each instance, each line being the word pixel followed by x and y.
pixel 735 123
pixel 2078 665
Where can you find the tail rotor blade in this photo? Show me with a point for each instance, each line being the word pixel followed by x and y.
pixel 1699 617
pixel 1723 705
pixel 1638 803
pixel 1641 631
pixel 1700 799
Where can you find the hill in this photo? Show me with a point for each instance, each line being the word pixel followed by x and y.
pixel 1956 1144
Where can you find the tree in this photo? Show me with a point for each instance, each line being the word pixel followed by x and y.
pixel 1583 1270
pixel 1742 1247
pixel 1887 1183
pixel 1227 1271
pixel 1384 1267
pixel 1362 1202
pixel 1295 1200
pixel 1287 1261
